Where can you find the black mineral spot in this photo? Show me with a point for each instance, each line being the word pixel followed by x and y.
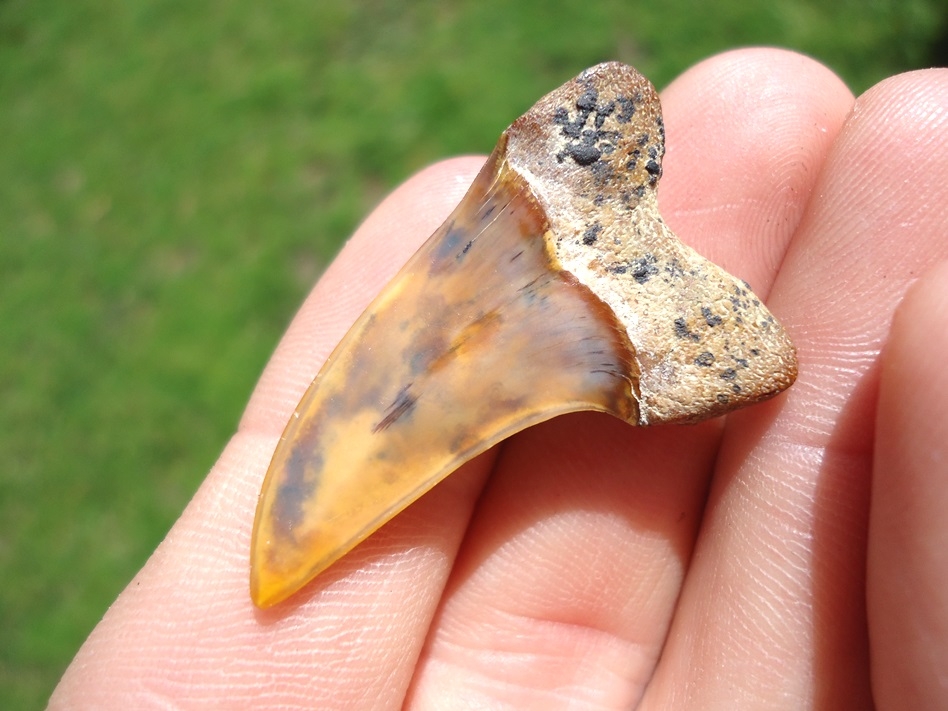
pixel 592 234
pixel 736 389
pixel 584 153
pixel 626 109
pixel 654 172
pixel 599 199
pixel 588 100
pixel 682 331
pixel 711 318
pixel 644 268
pixel 643 139
pixel 603 112
pixel 722 398
pixel 728 374
pixel 705 359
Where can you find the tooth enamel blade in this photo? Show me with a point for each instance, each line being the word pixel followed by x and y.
pixel 479 336
pixel 554 287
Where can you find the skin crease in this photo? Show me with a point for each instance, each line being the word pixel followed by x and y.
pixel 588 564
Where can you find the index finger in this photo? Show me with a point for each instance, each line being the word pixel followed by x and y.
pixel 185 627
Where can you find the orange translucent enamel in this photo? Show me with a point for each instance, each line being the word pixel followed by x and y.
pixel 479 336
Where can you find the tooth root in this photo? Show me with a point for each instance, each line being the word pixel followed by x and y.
pixel 704 343
pixel 555 286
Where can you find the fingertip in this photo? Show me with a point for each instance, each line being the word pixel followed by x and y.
pixel 914 338
pixel 748 133
pixel 914 381
pixel 735 70
pixel 918 94
pixel 913 374
pixel 898 133
pixel 907 571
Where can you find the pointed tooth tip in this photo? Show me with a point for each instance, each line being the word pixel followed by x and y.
pixel 265 597
pixel 270 587
pixel 262 596
pixel 266 588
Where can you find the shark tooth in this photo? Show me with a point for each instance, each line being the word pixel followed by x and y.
pixel 554 286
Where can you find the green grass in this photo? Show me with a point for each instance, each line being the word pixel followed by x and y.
pixel 175 176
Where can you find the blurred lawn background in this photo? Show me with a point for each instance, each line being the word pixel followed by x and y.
pixel 174 175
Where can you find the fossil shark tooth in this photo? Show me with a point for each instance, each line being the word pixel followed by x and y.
pixel 555 286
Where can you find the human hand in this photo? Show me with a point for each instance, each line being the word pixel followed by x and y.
pixel 589 564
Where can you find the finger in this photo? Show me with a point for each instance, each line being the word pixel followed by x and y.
pixel 773 609
pixel 908 563
pixel 185 629
pixel 568 576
